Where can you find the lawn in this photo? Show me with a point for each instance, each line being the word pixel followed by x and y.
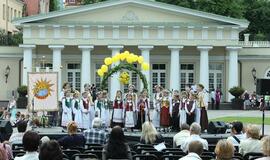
pixel 245 120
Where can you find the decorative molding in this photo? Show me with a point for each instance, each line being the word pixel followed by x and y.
pixel 130 16
pixel 42 31
pixel 131 32
pixel 176 32
pixel 71 31
pixel 145 32
pixel 27 31
pixel 190 33
pixel 160 32
pixel 204 32
pixel 115 34
pixel 56 31
pixel 219 32
pixel 86 32
pixel 101 34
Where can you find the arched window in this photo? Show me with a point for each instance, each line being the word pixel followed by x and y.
pixel 267 73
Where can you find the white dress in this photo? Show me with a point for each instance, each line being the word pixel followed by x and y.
pixel 156 111
pixel 67 112
pixel 77 111
pixel 182 113
pixel 197 113
pixel 86 122
pixel 105 113
pixel 118 111
pixel 129 114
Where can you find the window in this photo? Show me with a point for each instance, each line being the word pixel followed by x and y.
pixel 4 11
pixel 158 75
pixel 215 76
pixel 74 75
pixel 186 75
pixel 15 13
pixel 97 77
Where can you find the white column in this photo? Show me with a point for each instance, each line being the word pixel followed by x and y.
pixel 145 50
pixel 233 68
pixel 175 67
pixel 115 84
pixel 204 65
pixel 86 65
pixel 27 61
pixel 57 64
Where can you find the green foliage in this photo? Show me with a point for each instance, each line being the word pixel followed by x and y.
pixel 245 120
pixel 84 2
pixel 52 6
pixel 22 90
pixel 10 39
pixel 121 66
pixel 236 91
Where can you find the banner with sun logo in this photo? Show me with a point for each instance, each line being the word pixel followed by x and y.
pixel 42 89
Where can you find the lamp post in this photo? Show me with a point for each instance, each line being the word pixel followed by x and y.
pixel 254 74
pixel 7 72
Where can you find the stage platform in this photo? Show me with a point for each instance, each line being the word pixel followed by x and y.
pixel 132 137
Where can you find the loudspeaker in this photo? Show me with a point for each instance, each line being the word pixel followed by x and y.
pixel 217 127
pixel 5 127
pixel 263 87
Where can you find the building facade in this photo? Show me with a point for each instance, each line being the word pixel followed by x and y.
pixel 34 7
pixel 9 10
pixel 183 46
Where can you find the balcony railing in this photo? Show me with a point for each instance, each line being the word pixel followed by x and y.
pixel 254 43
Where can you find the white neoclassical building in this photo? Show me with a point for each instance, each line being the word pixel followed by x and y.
pixel 183 46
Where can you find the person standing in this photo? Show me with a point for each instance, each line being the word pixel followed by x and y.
pixel 175 110
pixel 105 112
pixel 118 110
pixel 129 112
pixel 203 105
pixel 182 111
pixel 77 109
pixel 65 88
pixel 166 110
pixel 143 108
pixel 67 110
pixel 156 104
pixel 131 90
pixel 190 109
pixel 213 98
pixel 218 98
pixel 85 108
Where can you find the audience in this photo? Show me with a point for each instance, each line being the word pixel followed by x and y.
pixel 72 139
pixel 224 150
pixel 50 150
pixel 7 149
pixel 16 138
pixel 265 148
pixel 195 131
pixel 236 133
pixel 30 145
pixel 3 154
pixel 252 143
pixel 150 134
pixel 117 147
pixel 195 149
pixel 180 137
pixel 96 134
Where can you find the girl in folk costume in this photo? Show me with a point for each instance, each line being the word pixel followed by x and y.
pixel 156 103
pixel 143 108
pixel 166 109
pixel 105 112
pixel 118 110
pixel 182 112
pixel 129 112
pixel 77 108
pixel 202 104
pixel 98 104
pixel 190 108
pixel 175 110
pixel 67 110
pixel 85 108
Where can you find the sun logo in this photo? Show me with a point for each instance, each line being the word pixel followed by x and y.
pixel 42 89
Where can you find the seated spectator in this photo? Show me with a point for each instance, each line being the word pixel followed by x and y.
pixel 72 139
pixel 7 149
pixel 3 154
pixel 236 133
pixel 117 147
pixel 265 148
pixel 195 131
pixel 16 138
pixel 180 137
pixel 224 150
pixel 150 134
pixel 252 143
pixel 195 149
pixel 30 145
pixel 96 134
pixel 50 150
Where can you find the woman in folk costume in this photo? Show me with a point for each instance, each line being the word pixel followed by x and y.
pixel 156 104
pixel 175 110
pixel 118 110
pixel 182 112
pixel 105 112
pixel 98 104
pixel 77 106
pixel 143 108
pixel 131 90
pixel 202 104
pixel 166 110
pixel 67 110
pixel 190 108
pixel 129 112
pixel 85 108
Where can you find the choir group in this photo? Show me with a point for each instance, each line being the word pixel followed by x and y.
pixel 131 110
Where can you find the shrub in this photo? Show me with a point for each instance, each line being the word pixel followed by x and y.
pixel 236 91
pixel 22 90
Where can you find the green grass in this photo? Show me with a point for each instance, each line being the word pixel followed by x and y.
pixel 245 120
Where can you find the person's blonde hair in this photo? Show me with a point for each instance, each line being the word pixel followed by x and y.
pixel 266 145
pixel 253 131
pixel 149 132
pixel 72 128
pixel 224 150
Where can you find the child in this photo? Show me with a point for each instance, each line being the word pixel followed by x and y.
pixel 118 114
pixel 166 110
pixel 131 90
pixel 182 112
pixel 67 111
pixel 143 109
pixel 190 109
pixel 175 110
pixel 105 112
pixel 156 104
pixel 85 108
pixel 77 109
pixel 129 112
pixel 98 104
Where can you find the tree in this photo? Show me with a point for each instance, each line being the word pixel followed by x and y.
pixel 84 2
pixel 52 6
